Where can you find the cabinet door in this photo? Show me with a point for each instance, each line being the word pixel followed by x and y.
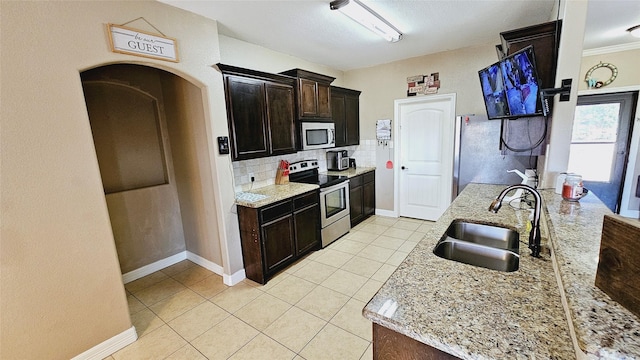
pixel 308 98
pixel 307 229
pixel 278 244
pixel 251 244
pixel 280 116
pixel 248 127
pixel 324 100
pixel 355 205
pixel 352 120
pixel 369 198
pixel 356 209
pixel 543 37
pixel 338 111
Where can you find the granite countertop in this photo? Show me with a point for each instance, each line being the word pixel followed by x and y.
pixel 603 328
pixel 272 193
pixel 472 312
pixel 351 172
pixel 476 313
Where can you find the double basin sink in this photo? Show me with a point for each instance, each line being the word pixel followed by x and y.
pixel 488 246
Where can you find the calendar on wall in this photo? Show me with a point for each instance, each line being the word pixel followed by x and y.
pixel 383 130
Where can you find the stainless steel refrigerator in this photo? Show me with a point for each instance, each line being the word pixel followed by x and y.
pixel 477 154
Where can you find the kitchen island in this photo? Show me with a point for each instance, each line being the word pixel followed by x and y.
pixel 476 313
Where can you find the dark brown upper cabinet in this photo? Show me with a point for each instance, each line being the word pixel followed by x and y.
pixel 313 98
pixel 545 39
pixel 345 110
pixel 260 112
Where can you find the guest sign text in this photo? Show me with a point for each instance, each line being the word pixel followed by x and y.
pixel 135 42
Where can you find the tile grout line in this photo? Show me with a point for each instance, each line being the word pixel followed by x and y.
pixel 175 276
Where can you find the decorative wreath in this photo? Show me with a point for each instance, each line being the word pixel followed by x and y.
pixel 593 83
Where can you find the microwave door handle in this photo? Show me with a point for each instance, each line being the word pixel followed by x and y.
pixel 332 136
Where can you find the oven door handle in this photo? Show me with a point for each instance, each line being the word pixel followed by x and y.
pixel 335 187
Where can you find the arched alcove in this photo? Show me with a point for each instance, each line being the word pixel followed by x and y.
pixel 148 127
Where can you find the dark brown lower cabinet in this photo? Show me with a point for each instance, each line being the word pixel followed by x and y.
pixel 362 197
pixel 276 235
pixel 391 345
pixel 305 223
pixel 278 241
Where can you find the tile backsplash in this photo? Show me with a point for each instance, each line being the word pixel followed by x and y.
pixel 264 169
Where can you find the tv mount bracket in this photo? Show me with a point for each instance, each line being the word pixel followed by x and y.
pixel 564 90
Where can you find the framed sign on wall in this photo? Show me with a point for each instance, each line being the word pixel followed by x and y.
pixel 131 41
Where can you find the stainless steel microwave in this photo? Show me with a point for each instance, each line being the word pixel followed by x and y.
pixel 318 135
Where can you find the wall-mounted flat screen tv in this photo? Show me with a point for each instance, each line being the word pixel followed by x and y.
pixel 510 87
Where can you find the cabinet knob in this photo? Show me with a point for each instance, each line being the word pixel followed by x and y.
pixel 404 168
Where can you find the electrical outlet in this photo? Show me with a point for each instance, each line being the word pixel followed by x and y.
pixel 252 177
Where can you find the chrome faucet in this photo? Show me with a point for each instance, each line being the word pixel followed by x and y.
pixel 534 235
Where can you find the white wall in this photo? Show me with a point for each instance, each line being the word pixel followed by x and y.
pixel 245 55
pixel 574 15
pixel 62 290
pixel 381 85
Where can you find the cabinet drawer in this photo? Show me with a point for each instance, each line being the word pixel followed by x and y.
pixel 370 176
pixel 305 200
pixel 355 181
pixel 275 211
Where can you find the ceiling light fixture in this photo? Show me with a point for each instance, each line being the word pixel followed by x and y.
pixel 367 18
pixel 635 31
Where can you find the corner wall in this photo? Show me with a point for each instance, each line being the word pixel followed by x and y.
pixel 62 290
pixel 574 15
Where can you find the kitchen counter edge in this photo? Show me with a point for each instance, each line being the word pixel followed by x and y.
pixel 351 172
pixel 275 193
pixel 601 327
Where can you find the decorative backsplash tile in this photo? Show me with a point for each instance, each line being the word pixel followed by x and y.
pixel 264 169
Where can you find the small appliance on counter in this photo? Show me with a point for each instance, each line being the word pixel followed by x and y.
pixel 352 163
pixel 337 160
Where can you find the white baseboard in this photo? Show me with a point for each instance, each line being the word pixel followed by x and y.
pixel 209 265
pixel 109 346
pixel 234 278
pixel 387 213
pixel 153 267
pixel 185 255
pixel 227 279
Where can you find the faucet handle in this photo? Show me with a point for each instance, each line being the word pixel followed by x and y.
pixel 495 205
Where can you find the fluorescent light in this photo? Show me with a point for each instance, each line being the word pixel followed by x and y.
pixel 635 31
pixel 368 18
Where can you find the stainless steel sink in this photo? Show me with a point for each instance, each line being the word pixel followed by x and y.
pixel 486 246
pixel 488 235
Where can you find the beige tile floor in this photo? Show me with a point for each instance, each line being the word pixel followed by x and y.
pixel 312 310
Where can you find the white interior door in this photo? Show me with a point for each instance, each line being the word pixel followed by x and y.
pixel 424 171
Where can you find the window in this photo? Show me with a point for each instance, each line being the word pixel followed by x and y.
pixel 593 142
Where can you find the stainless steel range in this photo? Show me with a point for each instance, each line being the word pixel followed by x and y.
pixel 334 198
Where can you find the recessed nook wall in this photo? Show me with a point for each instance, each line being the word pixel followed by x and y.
pixel 125 124
pixel 152 162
